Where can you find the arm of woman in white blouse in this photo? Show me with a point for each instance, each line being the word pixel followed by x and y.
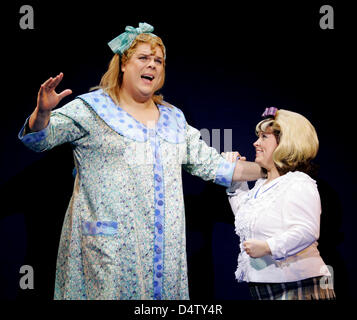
pixel 301 214
pixel 238 188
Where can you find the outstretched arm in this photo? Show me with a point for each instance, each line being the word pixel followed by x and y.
pixel 247 171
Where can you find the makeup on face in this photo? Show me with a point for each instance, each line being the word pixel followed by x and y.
pixel 145 69
pixel 149 62
pixel 264 148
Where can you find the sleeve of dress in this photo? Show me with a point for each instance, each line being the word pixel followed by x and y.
pixel 205 162
pixel 66 125
pixel 236 193
pixel 301 214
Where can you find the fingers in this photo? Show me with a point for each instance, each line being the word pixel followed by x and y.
pixel 64 93
pixel 235 156
pixel 45 84
pixel 246 247
pixel 51 83
pixel 57 80
pixel 231 156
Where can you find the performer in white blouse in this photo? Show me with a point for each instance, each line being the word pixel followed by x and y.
pixel 278 221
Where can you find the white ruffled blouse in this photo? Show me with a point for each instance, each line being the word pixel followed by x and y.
pixel 286 213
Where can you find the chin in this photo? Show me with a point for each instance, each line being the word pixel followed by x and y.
pixel 146 93
pixel 258 161
pixel 261 164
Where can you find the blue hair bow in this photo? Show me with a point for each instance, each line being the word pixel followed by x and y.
pixel 123 42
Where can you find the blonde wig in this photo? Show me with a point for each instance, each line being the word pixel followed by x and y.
pixel 112 79
pixel 297 141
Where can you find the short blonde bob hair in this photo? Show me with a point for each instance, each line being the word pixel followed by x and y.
pixel 113 78
pixel 297 141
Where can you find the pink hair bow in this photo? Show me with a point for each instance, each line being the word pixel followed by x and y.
pixel 270 112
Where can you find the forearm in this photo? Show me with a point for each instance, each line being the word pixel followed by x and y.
pixel 247 171
pixel 290 242
pixel 65 126
pixel 39 120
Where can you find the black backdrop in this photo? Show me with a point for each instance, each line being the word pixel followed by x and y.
pixel 226 62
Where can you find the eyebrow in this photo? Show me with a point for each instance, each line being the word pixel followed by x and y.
pixel 264 132
pixel 147 54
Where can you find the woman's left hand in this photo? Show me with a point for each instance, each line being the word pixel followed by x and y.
pixel 256 248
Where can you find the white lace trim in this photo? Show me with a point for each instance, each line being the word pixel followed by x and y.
pixel 256 200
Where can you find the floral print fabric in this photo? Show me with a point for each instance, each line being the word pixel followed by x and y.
pixel 123 235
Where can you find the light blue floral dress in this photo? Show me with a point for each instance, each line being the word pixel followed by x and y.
pixel 123 235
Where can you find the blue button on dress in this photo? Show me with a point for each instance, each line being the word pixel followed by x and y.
pixel 123 235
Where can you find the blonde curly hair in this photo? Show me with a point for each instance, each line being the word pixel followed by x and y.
pixel 297 141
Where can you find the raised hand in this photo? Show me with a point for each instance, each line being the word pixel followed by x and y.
pixel 47 97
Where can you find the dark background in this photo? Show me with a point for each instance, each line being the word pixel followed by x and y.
pixel 226 62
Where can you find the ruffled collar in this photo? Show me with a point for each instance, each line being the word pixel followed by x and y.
pixel 267 193
pixel 171 125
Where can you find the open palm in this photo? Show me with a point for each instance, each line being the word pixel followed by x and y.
pixel 47 97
